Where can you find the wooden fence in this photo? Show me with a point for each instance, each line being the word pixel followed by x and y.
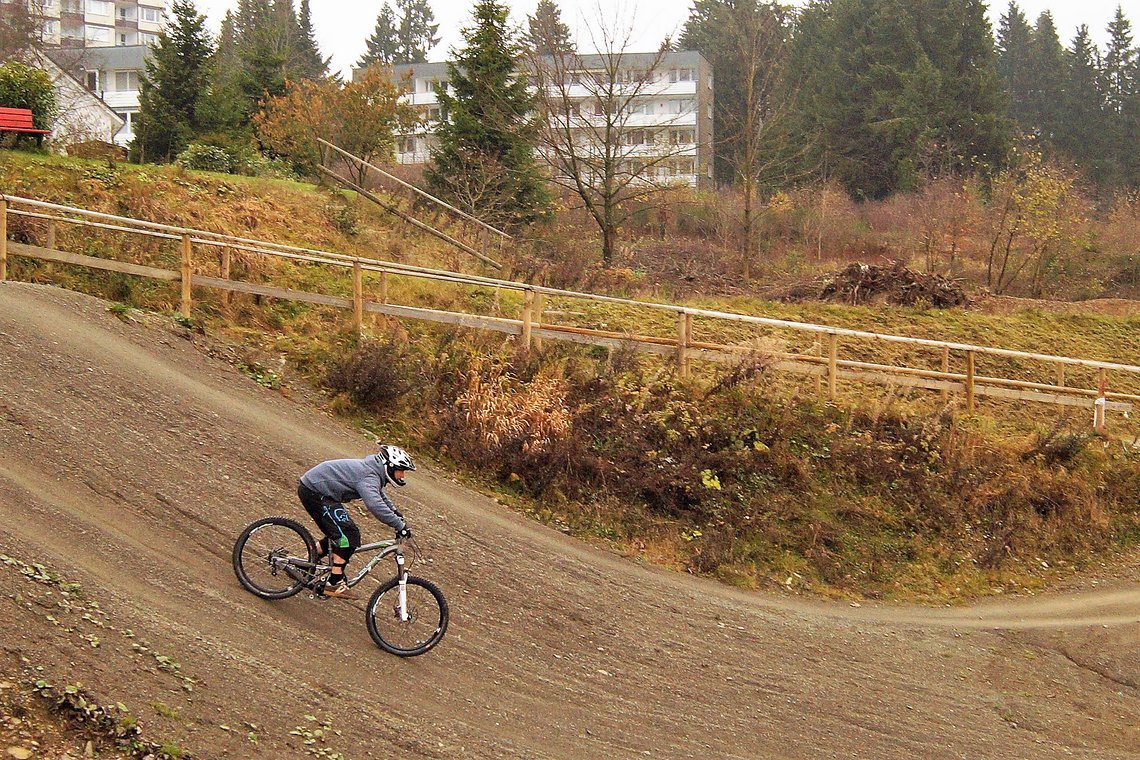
pixel 1097 385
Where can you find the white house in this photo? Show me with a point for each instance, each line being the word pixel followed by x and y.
pixel 83 117
pixel 112 74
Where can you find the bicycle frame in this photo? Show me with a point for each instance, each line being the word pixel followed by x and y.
pixel 387 548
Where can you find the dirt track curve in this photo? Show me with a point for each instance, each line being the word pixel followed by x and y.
pixel 130 459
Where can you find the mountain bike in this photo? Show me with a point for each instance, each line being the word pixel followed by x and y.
pixel 276 557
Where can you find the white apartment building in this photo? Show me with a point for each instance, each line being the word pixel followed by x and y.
pixel 100 23
pixel 103 44
pixel 671 114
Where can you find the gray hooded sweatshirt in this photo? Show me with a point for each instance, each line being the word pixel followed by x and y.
pixel 349 479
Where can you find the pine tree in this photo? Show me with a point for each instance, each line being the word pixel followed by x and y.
pixel 1014 45
pixel 311 64
pixel 1083 116
pixel 1120 57
pixel 484 160
pixel 416 34
pixel 223 107
pixel 894 91
pixel 546 33
pixel 177 73
pixel 1119 80
pixel 1047 61
pixel 382 47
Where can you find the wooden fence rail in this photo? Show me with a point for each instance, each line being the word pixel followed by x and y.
pixel 821 359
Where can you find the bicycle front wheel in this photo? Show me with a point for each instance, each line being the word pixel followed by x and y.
pixel 261 556
pixel 426 619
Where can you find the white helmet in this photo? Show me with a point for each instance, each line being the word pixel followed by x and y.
pixel 395 459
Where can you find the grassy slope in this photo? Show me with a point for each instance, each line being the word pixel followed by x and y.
pixel 835 500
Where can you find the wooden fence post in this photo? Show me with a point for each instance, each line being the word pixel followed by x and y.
pixel 1060 375
pixel 832 364
pixel 357 297
pixel 226 265
pixel 528 306
pixel 383 297
pixel 945 370
pixel 539 301
pixel 970 359
pixel 684 337
pixel 50 242
pixel 819 366
pixel 1100 406
pixel 186 250
pixel 3 239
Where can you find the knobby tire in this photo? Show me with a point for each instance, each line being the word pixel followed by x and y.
pixel 252 582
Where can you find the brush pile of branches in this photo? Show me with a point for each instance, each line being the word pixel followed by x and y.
pixel 894 283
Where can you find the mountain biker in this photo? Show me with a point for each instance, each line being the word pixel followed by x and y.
pixel 324 489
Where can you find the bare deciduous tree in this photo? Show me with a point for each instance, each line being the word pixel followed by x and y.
pixel 758 35
pixel 604 135
pixel 21 32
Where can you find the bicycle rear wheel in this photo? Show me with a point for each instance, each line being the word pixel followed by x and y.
pixel 427 621
pixel 259 555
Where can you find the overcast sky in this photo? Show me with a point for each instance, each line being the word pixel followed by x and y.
pixel 343 26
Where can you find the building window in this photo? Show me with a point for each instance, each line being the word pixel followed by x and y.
pixel 683 75
pixel 147 38
pixel 407 145
pixel 127 81
pixel 96 33
pixel 681 106
pixel 639 137
pixel 153 15
pixel 91 79
pixel 100 7
pixel 51 28
pixel 682 137
pixel 434 113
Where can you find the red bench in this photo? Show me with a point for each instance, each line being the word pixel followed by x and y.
pixel 19 121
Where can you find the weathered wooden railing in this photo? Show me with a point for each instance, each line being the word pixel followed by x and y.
pixel 821 358
pixel 486 232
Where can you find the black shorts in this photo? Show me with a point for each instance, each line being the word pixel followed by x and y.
pixel 333 519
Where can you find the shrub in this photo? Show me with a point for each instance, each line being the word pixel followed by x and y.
pixel 374 376
pixel 231 160
pixel 497 418
pixel 26 87
pixel 207 158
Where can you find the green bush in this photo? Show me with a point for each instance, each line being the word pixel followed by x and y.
pixel 25 87
pixel 207 158
pixel 231 160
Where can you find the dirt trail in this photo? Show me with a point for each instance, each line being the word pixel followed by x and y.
pixel 129 460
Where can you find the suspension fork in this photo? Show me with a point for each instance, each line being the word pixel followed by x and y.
pixel 402 575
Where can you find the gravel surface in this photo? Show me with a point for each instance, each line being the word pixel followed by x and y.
pixel 130 459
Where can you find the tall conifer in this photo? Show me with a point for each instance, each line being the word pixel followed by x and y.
pixel 382 47
pixel 417 32
pixel 310 63
pixel 176 78
pixel 484 160
pixel 546 33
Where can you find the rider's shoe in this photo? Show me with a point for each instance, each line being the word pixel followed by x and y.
pixel 338 590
